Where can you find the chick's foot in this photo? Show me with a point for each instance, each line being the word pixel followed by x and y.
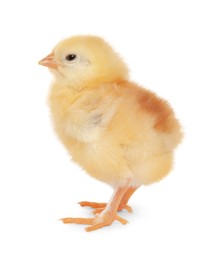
pixel 106 216
pixel 101 220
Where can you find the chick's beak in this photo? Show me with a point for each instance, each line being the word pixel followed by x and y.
pixel 49 62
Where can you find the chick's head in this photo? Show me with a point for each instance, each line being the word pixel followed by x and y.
pixel 85 59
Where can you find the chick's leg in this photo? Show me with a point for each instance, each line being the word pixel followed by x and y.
pixel 123 204
pixel 106 217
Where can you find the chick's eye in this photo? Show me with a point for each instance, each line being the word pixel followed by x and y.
pixel 71 57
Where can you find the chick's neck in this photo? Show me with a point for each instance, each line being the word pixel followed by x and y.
pixel 92 84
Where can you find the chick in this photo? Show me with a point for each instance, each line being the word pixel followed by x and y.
pixel 117 131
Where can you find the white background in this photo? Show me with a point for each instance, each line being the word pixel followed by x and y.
pixel 171 47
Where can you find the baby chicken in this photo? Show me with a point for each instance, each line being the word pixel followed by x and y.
pixel 117 131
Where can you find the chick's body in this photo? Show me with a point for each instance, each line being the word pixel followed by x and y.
pixel 108 130
pixel 117 131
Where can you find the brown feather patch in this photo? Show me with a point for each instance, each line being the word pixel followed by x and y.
pixel 160 109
